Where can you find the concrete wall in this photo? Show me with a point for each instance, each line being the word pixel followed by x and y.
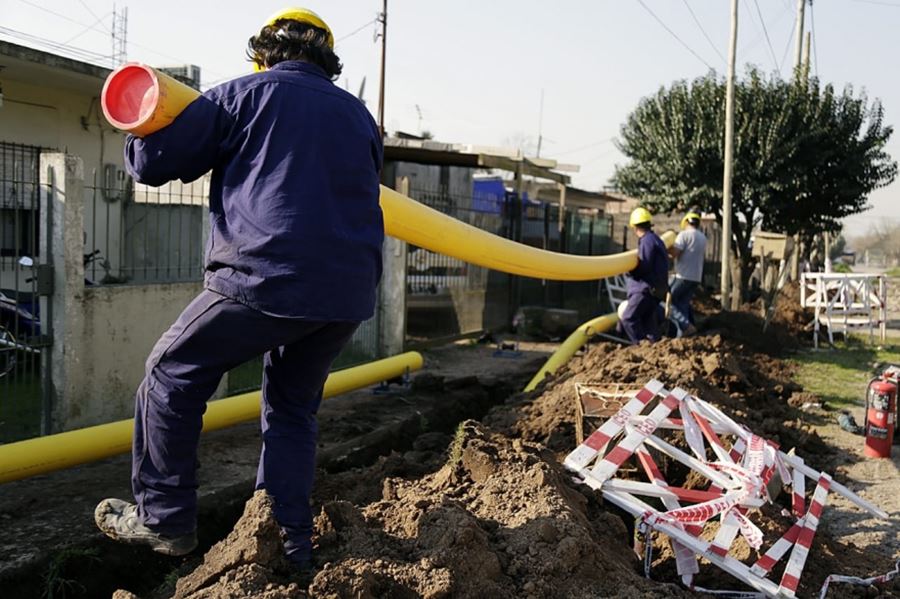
pixel 117 328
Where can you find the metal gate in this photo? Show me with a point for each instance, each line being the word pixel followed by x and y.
pixel 23 339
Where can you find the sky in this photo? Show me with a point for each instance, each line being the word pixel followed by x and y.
pixel 474 71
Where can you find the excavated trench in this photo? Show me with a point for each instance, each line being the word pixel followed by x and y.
pixel 410 419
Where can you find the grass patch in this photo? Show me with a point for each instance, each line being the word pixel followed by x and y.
pixel 894 272
pixel 840 376
pixel 20 405
pixel 57 581
pixel 456 447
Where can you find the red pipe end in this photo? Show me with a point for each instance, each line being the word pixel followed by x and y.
pixel 130 95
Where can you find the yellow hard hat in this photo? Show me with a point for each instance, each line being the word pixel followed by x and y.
pixel 640 216
pixel 301 15
pixel 689 216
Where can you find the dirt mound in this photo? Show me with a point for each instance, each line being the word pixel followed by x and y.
pixel 249 562
pixel 754 388
pixel 500 519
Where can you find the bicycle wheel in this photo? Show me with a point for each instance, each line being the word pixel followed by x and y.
pixel 7 352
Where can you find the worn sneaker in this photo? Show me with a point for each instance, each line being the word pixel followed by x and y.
pixel 119 520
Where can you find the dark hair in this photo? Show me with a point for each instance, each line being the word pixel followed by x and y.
pixel 287 39
pixel 644 226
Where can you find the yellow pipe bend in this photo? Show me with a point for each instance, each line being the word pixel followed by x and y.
pixel 572 344
pixel 425 227
pixel 63 450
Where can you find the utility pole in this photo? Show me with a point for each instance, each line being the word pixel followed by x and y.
pixel 729 159
pixel 798 60
pixel 541 124
pixel 382 18
pixel 798 34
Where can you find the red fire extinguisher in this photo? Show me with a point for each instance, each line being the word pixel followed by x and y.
pixel 881 417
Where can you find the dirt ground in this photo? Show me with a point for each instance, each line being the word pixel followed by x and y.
pixel 489 512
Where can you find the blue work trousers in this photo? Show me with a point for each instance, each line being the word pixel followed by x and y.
pixel 639 321
pixel 682 294
pixel 213 335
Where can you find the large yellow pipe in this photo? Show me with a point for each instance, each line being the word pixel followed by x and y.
pixel 425 227
pixel 572 344
pixel 63 450
pixel 141 100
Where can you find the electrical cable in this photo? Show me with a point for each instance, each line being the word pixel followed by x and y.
pixel 93 14
pixel 355 31
pixel 702 30
pixel 86 30
pixel 675 35
pixel 787 46
pixel 812 19
pixel 73 51
pixel 766 33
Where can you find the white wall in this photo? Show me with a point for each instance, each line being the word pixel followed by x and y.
pixel 55 118
pixel 117 329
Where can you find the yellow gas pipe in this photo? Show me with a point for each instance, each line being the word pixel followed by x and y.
pixel 63 450
pixel 572 344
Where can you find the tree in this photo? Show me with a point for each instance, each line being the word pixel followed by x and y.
pixel 804 156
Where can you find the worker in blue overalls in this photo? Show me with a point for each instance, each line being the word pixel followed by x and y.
pixel 292 264
pixel 647 284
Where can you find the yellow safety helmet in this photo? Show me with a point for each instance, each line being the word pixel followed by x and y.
pixel 689 216
pixel 640 216
pixel 302 15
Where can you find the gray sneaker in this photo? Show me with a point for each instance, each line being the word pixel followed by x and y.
pixel 119 520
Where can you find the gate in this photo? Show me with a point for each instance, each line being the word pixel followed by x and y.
pixel 22 282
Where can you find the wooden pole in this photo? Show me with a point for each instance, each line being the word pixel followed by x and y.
pixel 729 159
pixel 383 62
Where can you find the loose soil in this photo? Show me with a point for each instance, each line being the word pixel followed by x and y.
pixel 489 511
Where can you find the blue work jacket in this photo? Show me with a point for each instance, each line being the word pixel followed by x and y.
pixel 653 265
pixel 295 225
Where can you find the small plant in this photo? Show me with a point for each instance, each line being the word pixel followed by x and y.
pixel 56 585
pixel 456 447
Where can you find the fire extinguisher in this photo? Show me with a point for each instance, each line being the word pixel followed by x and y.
pixel 881 417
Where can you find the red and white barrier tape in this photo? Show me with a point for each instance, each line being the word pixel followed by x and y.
pixel 864 582
pixel 739 479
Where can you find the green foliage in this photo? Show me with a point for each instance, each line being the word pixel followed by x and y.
pixel 456 447
pixel 838 245
pixel 805 156
pixel 56 583
pixel 841 267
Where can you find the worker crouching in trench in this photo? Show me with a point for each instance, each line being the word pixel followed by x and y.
pixel 647 284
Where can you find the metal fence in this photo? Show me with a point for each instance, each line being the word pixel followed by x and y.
pixel 449 298
pixel 20 328
pixel 138 234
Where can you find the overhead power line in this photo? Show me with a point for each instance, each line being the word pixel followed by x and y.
pixel 673 34
pixel 355 31
pixel 766 33
pixel 72 51
pixel 93 14
pixel 812 21
pixel 787 46
pixel 53 12
pixel 702 30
